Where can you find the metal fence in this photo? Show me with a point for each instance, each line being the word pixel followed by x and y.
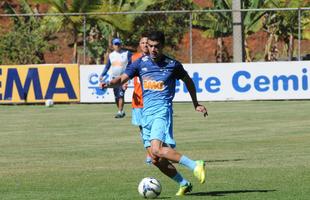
pixel 201 42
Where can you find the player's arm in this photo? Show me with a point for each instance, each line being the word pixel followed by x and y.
pixel 116 82
pixel 129 58
pixel 130 72
pixel 192 91
pixel 106 69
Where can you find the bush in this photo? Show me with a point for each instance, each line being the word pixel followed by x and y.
pixel 23 44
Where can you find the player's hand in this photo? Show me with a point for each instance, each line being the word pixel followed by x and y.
pixel 125 86
pixel 103 85
pixel 201 108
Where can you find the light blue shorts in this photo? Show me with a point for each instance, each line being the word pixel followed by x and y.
pixel 136 116
pixel 158 126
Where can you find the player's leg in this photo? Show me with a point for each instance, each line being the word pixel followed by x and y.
pixel 136 118
pixel 121 104
pixel 157 149
pixel 119 100
pixel 164 152
pixel 199 169
pixel 163 164
pixel 167 168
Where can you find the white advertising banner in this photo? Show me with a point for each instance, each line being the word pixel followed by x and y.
pixel 89 83
pixel 221 82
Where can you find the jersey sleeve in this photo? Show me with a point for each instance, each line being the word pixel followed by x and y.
pixel 179 71
pixel 106 68
pixel 133 69
pixel 129 58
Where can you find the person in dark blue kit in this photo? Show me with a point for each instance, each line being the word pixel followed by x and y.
pixel 158 74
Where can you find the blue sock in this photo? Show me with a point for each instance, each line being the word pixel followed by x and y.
pixel 191 164
pixel 148 160
pixel 179 179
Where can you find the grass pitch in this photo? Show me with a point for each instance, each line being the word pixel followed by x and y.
pixel 254 150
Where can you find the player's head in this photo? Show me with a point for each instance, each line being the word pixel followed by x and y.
pixel 116 44
pixel 156 42
pixel 143 43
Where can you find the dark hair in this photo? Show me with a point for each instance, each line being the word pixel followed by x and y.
pixel 144 34
pixel 157 36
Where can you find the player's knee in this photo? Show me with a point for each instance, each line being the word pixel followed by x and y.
pixel 156 152
pixel 155 162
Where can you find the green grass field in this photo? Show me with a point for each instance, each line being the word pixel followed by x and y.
pixel 254 150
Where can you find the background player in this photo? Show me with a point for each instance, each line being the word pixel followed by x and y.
pixel 137 99
pixel 118 60
pixel 158 74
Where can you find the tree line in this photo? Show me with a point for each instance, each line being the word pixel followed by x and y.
pixel 36 34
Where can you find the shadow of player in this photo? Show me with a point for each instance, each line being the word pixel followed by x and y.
pixel 228 192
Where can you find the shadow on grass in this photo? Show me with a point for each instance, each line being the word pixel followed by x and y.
pixel 227 160
pixel 225 193
pixel 163 197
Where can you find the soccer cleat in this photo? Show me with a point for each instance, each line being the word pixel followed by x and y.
pixel 123 114
pixel 200 171
pixel 184 189
pixel 120 115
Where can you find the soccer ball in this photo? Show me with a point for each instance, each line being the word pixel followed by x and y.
pixel 149 188
pixel 49 103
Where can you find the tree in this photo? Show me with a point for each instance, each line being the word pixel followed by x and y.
pixel 253 21
pixel 283 25
pixel 97 41
pixel 108 26
pixel 104 26
pixel 216 25
pixel 25 43
pixel 174 25
pixel 220 24
pixel 72 24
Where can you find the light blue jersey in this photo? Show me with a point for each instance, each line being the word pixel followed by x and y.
pixel 158 81
pixel 158 92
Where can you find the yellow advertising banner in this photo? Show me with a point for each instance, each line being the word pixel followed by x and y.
pixel 36 83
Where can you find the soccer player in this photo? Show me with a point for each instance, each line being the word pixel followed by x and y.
pixel 137 99
pixel 118 61
pixel 158 73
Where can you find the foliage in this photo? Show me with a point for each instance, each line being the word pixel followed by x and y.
pixel 122 23
pixel 215 24
pixel 284 24
pixel 109 26
pixel 253 20
pixel 105 26
pixel 25 43
pixel 173 25
pixel 305 25
pixel 97 41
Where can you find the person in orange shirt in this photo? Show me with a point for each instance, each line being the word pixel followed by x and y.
pixel 137 100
